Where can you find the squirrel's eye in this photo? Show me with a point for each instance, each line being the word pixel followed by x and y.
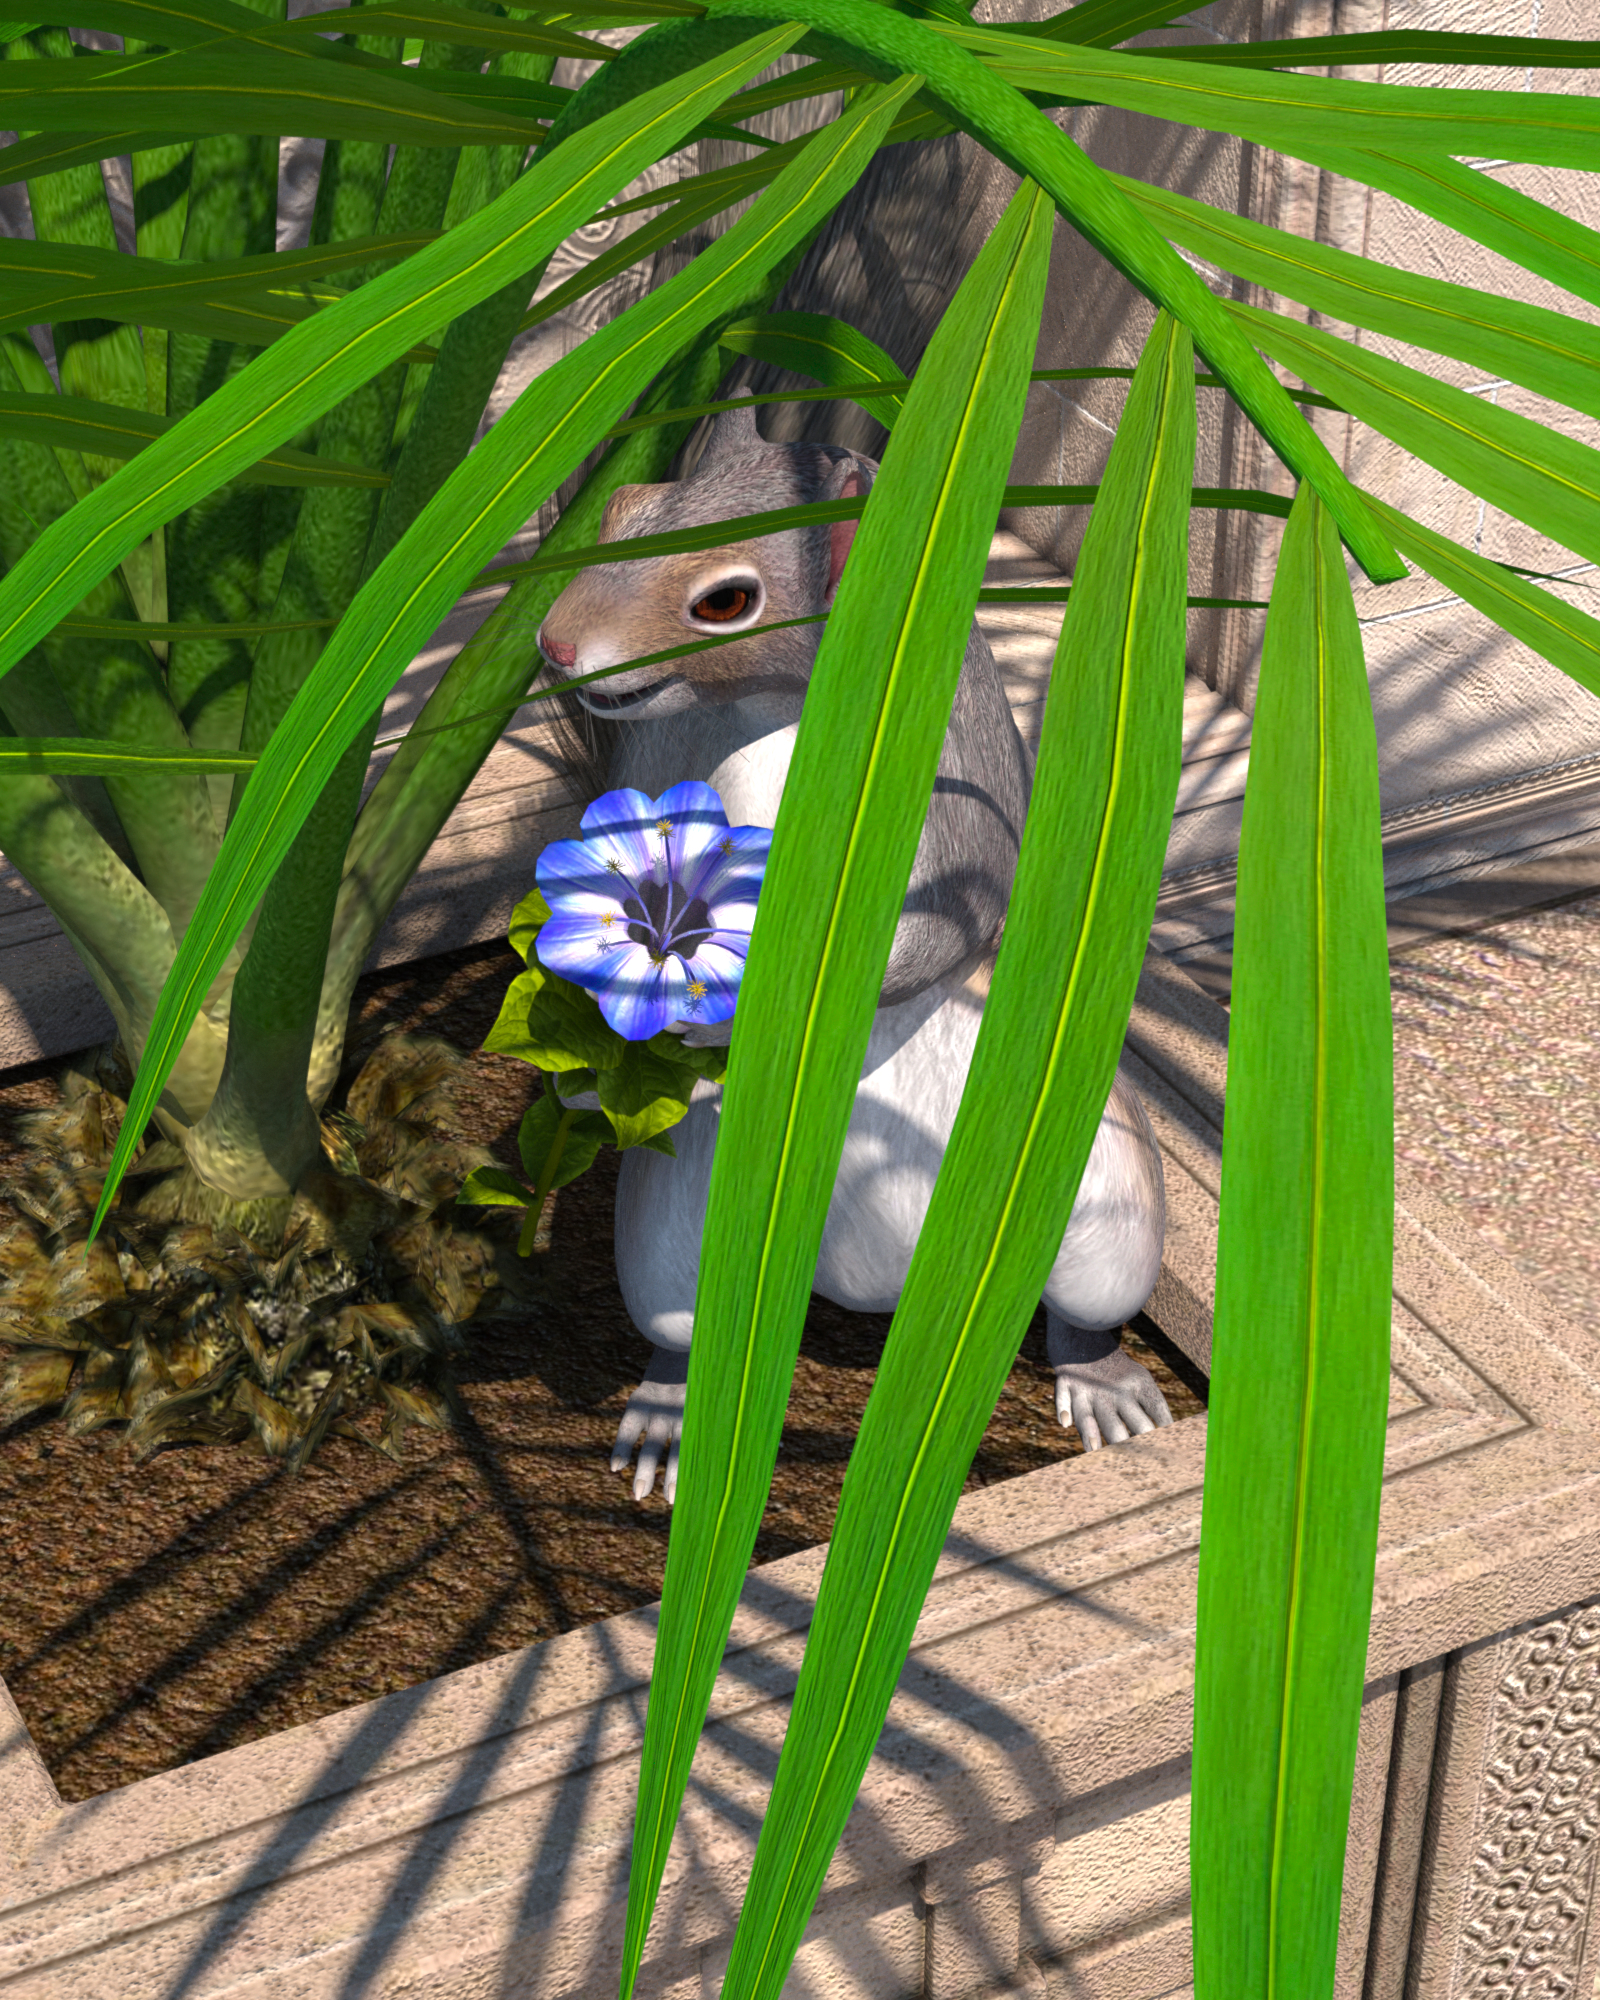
pixel 717 606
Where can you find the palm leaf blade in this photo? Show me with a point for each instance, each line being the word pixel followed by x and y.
pixel 829 350
pixel 317 364
pixel 1552 353
pixel 841 856
pixel 1052 1032
pixel 1298 1400
pixel 1549 481
pixel 1285 111
pixel 1483 208
pixel 1392 45
pixel 1566 637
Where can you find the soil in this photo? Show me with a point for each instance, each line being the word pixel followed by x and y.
pixel 154 1614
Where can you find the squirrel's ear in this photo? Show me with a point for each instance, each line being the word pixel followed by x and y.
pixel 621 507
pixel 849 481
pixel 733 435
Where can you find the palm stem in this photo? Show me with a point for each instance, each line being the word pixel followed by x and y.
pixel 260 1133
pixel 112 687
pixel 217 548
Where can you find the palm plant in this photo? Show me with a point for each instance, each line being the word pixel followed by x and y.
pixel 195 645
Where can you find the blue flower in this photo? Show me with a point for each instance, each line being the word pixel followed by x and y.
pixel 651 910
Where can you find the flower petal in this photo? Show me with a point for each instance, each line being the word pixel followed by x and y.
pixel 644 995
pixel 620 827
pixel 738 856
pixel 692 801
pixel 630 840
pixel 693 815
pixel 573 875
pixel 718 969
pixel 579 949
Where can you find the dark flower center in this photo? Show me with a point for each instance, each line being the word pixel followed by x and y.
pixel 664 919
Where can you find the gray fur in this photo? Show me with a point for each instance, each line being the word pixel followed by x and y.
pixel 728 718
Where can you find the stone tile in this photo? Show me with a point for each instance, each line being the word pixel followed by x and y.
pixel 1112 1868
pixel 1496 1105
pixel 973 1944
pixel 865 1947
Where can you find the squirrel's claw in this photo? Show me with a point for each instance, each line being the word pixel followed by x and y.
pixel 653 1421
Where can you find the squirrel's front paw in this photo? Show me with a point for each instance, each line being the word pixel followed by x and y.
pixel 653 1421
pixel 1109 1400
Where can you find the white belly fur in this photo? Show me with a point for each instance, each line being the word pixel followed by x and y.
pixel 911 1084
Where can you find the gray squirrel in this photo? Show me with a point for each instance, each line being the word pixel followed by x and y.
pixel 728 718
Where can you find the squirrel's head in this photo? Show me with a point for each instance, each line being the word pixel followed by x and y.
pixel 614 612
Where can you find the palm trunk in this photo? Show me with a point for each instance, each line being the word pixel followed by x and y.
pixel 260 1133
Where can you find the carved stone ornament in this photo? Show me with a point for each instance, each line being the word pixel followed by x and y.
pixel 1531 1892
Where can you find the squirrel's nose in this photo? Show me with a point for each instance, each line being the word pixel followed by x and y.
pixel 558 655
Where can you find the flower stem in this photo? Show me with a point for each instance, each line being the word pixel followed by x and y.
pixel 547 1173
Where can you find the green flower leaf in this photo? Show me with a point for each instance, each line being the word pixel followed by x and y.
pixel 587 1133
pixel 712 1064
pixel 553 1024
pixel 644 1094
pixel 527 920
pixel 493 1187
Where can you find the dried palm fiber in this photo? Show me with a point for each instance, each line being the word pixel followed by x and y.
pixel 186 1332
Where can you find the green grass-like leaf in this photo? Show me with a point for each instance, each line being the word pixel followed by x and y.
pixel 1283 111
pixel 847 831
pixel 1549 481
pixel 771 521
pixel 317 364
pixel 264 90
pixel 1052 1032
pixel 54 152
pixel 747 177
pixel 1554 354
pixel 680 217
pixel 58 281
pixel 547 431
pixel 999 117
pixel 1299 1385
pixel 174 24
pixel 459 25
pixel 74 423
pixel 80 757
